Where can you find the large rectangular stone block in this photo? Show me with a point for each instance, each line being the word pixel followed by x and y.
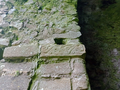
pixel 55 68
pixel 78 67
pixel 20 51
pixel 14 83
pixel 59 84
pixel 14 76
pixel 53 50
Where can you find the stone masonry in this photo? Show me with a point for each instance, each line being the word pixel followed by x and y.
pixel 61 72
pixel 41 47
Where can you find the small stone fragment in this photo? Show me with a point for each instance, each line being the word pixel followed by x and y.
pixel 15 43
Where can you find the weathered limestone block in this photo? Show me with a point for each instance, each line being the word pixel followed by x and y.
pixel 47 41
pixel 62 50
pixel 70 34
pixel 54 69
pixel 14 76
pixel 20 51
pixel 15 43
pixel 80 83
pixel 58 84
pixel 10 69
pixel 14 83
pixel 78 67
pixel 31 26
pixel 4 42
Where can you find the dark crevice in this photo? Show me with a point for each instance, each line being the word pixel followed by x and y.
pixel 92 44
pixel 106 3
pixel 59 41
pixel 1 53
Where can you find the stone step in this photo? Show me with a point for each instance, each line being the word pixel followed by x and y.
pixel 15 76
pixel 67 75
pixel 59 84
pixel 53 50
pixel 54 70
pixel 20 51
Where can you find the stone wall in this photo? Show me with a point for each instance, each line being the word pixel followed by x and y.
pixel 41 47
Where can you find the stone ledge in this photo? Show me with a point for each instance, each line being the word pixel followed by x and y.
pixel 59 84
pixel 20 51
pixel 14 83
pixel 55 69
pixel 53 50
pixel 70 34
pixel 10 69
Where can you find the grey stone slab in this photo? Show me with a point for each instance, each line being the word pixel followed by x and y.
pixel 55 68
pixel 4 42
pixel 14 83
pixel 20 51
pixel 10 69
pixel 52 50
pixel 80 83
pixel 58 84
pixel 47 41
pixel 14 76
pixel 70 34
pixel 78 67
pixel 15 43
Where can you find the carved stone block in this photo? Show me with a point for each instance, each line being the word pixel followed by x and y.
pixel 62 50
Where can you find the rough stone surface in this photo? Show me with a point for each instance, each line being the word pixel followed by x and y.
pixel 47 41
pixel 14 76
pixel 55 68
pixel 78 67
pixel 4 42
pixel 80 83
pixel 20 51
pixel 59 84
pixel 62 50
pixel 69 34
pixel 10 69
pixel 14 83
pixel 17 24
pixel 55 27
pixel 15 43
